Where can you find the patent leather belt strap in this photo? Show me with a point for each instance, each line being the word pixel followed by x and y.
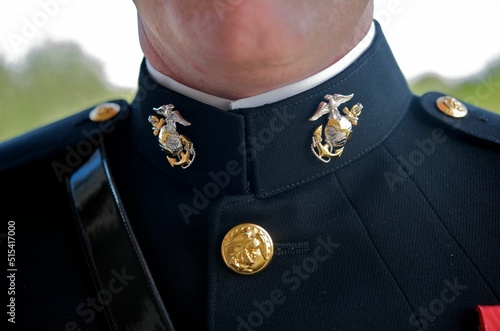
pixel 124 283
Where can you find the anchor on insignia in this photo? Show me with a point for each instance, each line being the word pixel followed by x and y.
pixel 179 149
pixel 338 128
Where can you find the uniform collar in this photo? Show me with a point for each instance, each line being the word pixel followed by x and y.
pixel 269 96
pixel 266 150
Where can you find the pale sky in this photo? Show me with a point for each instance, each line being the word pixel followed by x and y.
pixel 451 38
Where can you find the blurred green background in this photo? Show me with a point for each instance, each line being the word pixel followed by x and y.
pixel 58 80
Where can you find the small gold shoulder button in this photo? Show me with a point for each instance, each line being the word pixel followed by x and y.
pixel 104 112
pixel 451 107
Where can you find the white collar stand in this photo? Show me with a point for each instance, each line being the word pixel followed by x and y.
pixel 269 96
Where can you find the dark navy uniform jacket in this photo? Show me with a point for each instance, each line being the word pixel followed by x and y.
pixel 399 233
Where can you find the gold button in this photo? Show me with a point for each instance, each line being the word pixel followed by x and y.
pixel 451 107
pixel 104 112
pixel 247 249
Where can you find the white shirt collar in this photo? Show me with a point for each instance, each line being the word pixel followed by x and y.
pixel 269 96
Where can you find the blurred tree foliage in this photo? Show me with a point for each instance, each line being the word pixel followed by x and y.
pixel 482 90
pixel 55 81
pixel 58 80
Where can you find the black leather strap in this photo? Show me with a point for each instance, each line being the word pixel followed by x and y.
pixel 124 284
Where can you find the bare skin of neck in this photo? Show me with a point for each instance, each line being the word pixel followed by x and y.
pixel 241 48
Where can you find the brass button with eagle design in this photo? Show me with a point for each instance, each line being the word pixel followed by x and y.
pixel 247 249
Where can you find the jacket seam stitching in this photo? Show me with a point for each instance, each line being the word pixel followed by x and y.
pixel 376 248
pixel 443 224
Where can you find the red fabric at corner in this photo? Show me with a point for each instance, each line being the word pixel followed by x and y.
pixel 489 318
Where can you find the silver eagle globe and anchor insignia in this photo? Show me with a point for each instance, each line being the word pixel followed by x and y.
pixel 338 128
pixel 180 150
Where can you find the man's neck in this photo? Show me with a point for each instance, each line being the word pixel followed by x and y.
pixel 269 96
pixel 252 52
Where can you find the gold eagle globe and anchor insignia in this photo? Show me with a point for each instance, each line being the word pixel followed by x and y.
pixel 338 128
pixel 180 150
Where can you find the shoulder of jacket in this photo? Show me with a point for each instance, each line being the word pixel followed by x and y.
pixel 478 123
pixel 86 128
